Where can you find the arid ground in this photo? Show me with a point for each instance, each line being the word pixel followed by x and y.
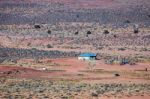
pixel 73 79
pixel 40 41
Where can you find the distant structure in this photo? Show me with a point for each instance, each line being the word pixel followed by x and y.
pixel 87 56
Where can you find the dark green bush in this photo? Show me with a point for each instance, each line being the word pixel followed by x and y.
pixel 136 31
pixel 76 33
pixel 49 32
pixel 37 26
pixel 106 32
pixel 49 46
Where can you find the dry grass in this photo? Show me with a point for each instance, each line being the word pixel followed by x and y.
pixel 26 88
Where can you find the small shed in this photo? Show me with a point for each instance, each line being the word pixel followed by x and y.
pixel 87 56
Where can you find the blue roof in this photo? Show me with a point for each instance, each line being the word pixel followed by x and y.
pixel 87 55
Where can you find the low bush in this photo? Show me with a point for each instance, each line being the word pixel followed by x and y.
pixel 49 32
pixel 120 61
pixel 121 49
pixel 49 46
pixel 106 32
pixel 136 31
pixel 37 26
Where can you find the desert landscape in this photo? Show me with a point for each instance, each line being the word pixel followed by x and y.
pixel 74 49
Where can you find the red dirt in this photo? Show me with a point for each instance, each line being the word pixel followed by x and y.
pixel 74 65
pixel 72 69
pixel 21 72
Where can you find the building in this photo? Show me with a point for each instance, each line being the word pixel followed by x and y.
pixel 87 56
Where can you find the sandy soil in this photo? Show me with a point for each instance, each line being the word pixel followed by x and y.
pixel 78 70
pixel 66 70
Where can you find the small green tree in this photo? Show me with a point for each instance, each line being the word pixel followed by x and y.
pixel 91 64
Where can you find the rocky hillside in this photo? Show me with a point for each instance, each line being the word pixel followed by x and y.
pixel 115 12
